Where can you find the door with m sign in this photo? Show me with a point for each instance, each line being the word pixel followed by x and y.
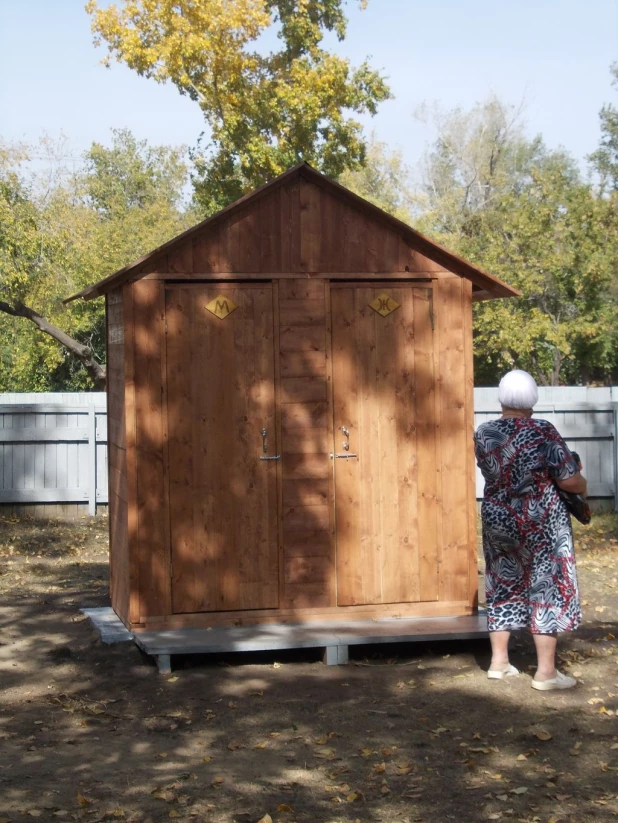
pixel 222 447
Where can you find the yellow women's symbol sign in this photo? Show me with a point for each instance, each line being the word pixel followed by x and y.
pixel 384 304
pixel 221 306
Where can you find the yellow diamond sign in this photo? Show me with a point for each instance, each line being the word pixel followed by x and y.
pixel 221 306
pixel 384 304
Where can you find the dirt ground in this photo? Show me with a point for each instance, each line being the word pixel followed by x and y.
pixel 408 733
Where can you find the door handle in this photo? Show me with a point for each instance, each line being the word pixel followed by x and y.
pixel 264 433
pixel 345 446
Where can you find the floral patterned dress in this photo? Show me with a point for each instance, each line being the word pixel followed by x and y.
pixel 530 577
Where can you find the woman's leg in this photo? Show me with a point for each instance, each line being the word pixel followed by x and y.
pixel 499 650
pixel 546 655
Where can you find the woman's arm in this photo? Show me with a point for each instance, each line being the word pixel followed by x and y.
pixel 576 484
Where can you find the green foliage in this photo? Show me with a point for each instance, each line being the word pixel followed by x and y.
pixel 550 242
pixel 264 112
pixel 62 230
pixel 605 158
pixel 525 214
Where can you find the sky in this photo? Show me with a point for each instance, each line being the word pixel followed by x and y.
pixel 552 54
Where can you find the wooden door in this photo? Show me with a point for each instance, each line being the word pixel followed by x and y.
pixel 220 398
pixel 385 462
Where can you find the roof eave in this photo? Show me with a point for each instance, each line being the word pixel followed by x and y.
pixel 487 286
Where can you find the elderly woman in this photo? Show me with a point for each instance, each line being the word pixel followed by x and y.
pixel 531 581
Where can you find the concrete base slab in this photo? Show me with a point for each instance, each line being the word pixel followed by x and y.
pixel 334 637
pixel 108 624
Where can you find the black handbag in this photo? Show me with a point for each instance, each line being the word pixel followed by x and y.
pixel 576 504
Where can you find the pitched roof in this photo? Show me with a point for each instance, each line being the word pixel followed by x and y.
pixel 486 286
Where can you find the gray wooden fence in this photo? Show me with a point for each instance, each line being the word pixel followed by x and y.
pixel 53 447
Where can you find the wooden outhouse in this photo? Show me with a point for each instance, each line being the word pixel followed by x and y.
pixel 290 401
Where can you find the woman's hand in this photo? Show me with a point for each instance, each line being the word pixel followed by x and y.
pixel 576 484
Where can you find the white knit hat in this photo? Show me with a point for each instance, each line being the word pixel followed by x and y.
pixel 518 390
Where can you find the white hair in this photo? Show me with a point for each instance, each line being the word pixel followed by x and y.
pixel 518 390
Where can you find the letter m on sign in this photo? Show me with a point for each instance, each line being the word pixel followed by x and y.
pixel 221 306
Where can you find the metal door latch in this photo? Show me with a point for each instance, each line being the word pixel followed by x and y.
pixel 264 434
pixel 345 446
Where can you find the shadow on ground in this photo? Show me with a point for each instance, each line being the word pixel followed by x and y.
pixel 403 733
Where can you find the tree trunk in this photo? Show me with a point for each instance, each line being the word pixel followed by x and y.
pixel 83 353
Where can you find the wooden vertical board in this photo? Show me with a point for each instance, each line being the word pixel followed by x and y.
pixel 471 462
pixel 367 444
pixel 427 463
pixel 248 240
pixel 120 582
pixel 270 239
pixel 205 251
pixel 332 545
pixel 385 485
pixel 310 224
pixel 350 569
pixel 290 227
pixel 135 595
pixel 180 257
pixel 180 415
pixel 375 237
pixel 454 573
pixel 398 448
pixel 332 258
pixel 304 443
pixel 226 248
pixel 356 236
pixel 260 408
pixel 149 318
pixel 278 429
pixel 234 224
pixel 167 549
pixel 218 384
pixel 390 259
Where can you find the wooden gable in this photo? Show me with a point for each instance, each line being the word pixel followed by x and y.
pixel 295 228
pixel 301 223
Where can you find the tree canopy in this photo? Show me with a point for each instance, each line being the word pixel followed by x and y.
pixel 526 214
pixel 273 95
pixel 62 229
pixel 265 110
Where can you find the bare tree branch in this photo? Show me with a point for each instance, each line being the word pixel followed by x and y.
pixel 83 353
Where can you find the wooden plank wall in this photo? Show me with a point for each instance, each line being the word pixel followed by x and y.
pixel 457 531
pixel 293 229
pixel 120 582
pixel 147 451
pixel 308 550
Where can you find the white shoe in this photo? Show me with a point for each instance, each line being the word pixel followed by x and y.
pixel 498 674
pixel 560 681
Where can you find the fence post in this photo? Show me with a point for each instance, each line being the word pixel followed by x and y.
pixel 92 460
pixel 615 405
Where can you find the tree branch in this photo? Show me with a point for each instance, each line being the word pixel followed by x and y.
pixel 83 353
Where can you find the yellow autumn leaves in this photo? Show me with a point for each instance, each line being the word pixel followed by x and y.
pixel 265 110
